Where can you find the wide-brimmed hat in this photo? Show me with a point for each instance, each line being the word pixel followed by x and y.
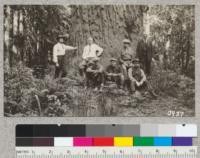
pixel 126 41
pixel 62 36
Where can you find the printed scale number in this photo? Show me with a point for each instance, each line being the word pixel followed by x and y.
pixel 151 152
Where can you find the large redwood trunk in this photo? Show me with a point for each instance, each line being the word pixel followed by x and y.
pixel 108 25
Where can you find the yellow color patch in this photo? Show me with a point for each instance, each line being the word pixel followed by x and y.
pixel 123 141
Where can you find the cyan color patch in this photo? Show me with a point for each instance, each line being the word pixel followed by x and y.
pixel 163 141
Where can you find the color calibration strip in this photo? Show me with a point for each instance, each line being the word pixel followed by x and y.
pixel 105 141
pixel 105 135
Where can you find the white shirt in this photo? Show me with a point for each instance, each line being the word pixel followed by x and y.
pixel 90 51
pixel 59 49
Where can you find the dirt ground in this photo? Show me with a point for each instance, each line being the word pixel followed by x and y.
pixel 160 107
pixel 116 103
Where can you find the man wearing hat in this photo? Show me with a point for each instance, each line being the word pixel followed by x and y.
pixel 90 51
pixel 144 52
pixel 138 78
pixel 114 73
pixel 59 50
pixel 127 54
pixel 94 74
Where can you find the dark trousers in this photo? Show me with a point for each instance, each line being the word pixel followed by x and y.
pixel 60 70
pixel 119 80
pixel 94 79
pixel 146 65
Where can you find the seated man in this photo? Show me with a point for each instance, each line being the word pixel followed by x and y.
pixel 90 51
pixel 114 73
pixel 94 74
pixel 138 78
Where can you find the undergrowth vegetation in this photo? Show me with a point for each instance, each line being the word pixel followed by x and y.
pixel 25 95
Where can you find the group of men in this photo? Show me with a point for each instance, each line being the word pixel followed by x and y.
pixel 125 71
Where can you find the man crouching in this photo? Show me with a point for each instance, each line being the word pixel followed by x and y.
pixel 138 78
pixel 94 75
pixel 114 73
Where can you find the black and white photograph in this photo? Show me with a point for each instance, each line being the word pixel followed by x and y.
pixel 99 60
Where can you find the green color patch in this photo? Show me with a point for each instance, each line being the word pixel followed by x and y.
pixel 143 141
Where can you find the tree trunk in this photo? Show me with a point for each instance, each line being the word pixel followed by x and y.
pixel 18 31
pixel 15 36
pixel 7 21
pixel 11 36
pixel 108 25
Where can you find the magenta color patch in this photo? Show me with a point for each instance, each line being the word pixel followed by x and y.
pixel 83 141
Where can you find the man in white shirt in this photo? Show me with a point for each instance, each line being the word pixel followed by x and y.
pixel 90 51
pixel 59 50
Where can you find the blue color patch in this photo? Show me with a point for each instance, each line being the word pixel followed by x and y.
pixel 162 141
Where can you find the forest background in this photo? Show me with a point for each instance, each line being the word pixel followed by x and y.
pixel 31 31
